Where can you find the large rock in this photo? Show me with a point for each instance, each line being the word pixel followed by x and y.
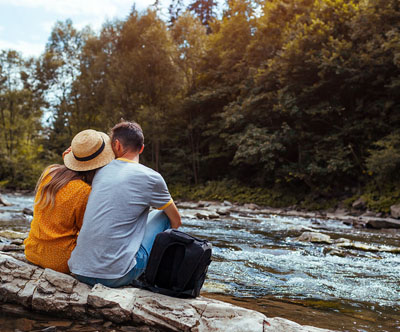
pixel 4 202
pixel 53 292
pixel 315 237
pixel 359 204
pixel 382 223
pixel 395 211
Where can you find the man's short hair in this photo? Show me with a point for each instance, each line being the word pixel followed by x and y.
pixel 129 134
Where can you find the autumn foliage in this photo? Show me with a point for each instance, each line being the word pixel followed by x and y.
pixel 300 94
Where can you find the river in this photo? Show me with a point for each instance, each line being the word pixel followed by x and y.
pixel 258 263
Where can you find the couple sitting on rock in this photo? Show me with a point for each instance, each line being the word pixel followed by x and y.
pixel 91 215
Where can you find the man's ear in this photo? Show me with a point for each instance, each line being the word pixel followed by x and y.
pixel 116 145
pixel 141 149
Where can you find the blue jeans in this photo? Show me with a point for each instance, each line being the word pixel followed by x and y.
pixel 157 222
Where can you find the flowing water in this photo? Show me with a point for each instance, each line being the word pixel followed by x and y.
pixel 259 264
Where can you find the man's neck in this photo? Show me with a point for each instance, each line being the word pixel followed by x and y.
pixel 134 156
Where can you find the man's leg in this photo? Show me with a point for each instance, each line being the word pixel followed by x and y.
pixel 118 282
pixel 157 222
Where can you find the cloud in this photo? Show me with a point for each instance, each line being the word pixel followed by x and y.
pixel 103 8
pixel 26 48
pixel 95 24
pixel 47 26
pixel 38 17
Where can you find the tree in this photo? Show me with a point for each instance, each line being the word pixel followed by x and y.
pixel 130 72
pixel 204 10
pixel 189 35
pixel 219 85
pixel 59 69
pixel 174 10
pixel 20 114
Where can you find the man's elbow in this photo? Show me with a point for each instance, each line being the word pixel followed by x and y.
pixel 174 217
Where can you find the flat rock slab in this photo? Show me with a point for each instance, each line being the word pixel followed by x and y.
pixel 58 293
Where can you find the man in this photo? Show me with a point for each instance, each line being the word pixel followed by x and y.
pixel 118 232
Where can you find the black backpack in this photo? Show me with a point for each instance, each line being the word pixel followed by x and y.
pixel 177 265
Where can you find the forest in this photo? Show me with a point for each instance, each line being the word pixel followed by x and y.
pixel 278 102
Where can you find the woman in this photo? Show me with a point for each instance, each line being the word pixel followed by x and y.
pixel 60 200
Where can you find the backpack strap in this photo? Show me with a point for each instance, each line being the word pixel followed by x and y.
pixel 192 258
pixel 156 255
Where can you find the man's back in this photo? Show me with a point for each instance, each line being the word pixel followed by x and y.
pixel 115 219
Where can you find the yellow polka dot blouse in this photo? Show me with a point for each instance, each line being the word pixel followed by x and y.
pixel 54 230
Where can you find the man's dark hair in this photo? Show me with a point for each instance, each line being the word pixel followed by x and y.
pixel 129 134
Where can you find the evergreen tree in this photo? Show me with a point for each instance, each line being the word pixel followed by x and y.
pixel 204 10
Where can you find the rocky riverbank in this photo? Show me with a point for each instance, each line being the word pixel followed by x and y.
pixel 262 252
pixel 356 217
pixel 51 292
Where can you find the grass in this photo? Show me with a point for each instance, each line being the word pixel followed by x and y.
pixel 377 198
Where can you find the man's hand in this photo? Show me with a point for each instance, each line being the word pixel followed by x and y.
pixel 173 214
pixel 66 152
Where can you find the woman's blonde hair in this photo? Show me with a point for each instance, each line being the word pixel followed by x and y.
pixel 59 175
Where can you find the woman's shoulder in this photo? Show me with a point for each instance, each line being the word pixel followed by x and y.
pixel 78 186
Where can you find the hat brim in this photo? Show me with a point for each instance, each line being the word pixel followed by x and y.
pixel 105 157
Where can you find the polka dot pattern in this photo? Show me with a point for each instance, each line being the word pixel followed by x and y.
pixel 54 231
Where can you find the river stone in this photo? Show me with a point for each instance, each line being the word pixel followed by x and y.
pixel 4 202
pixel 201 215
pixel 251 206
pixel 334 252
pixel 395 211
pixel 223 212
pixel 27 211
pixel 315 237
pixel 380 223
pixel 202 204
pixel 187 205
pixel 367 247
pixel 53 292
pixel 13 235
pixel 359 204
pixel 281 324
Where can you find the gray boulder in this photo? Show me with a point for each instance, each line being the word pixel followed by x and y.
pixel 251 206
pixel 395 211
pixel 315 237
pixel 380 223
pixel 359 204
pixel 4 202
pixel 27 211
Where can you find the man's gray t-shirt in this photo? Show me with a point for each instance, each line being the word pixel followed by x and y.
pixel 115 219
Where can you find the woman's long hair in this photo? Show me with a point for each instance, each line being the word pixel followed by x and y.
pixel 60 175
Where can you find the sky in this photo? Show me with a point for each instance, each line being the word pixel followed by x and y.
pixel 25 25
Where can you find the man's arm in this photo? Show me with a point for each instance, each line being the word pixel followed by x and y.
pixel 173 214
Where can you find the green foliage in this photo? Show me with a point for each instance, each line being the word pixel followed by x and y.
pixel 381 196
pixel 20 115
pixel 301 97
pixel 234 191
pixel 384 160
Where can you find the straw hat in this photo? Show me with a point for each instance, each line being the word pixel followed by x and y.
pixel 91 149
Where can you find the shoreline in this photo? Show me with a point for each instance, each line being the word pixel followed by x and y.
pixel 357 219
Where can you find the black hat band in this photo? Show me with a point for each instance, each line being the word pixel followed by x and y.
pixel 92 156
